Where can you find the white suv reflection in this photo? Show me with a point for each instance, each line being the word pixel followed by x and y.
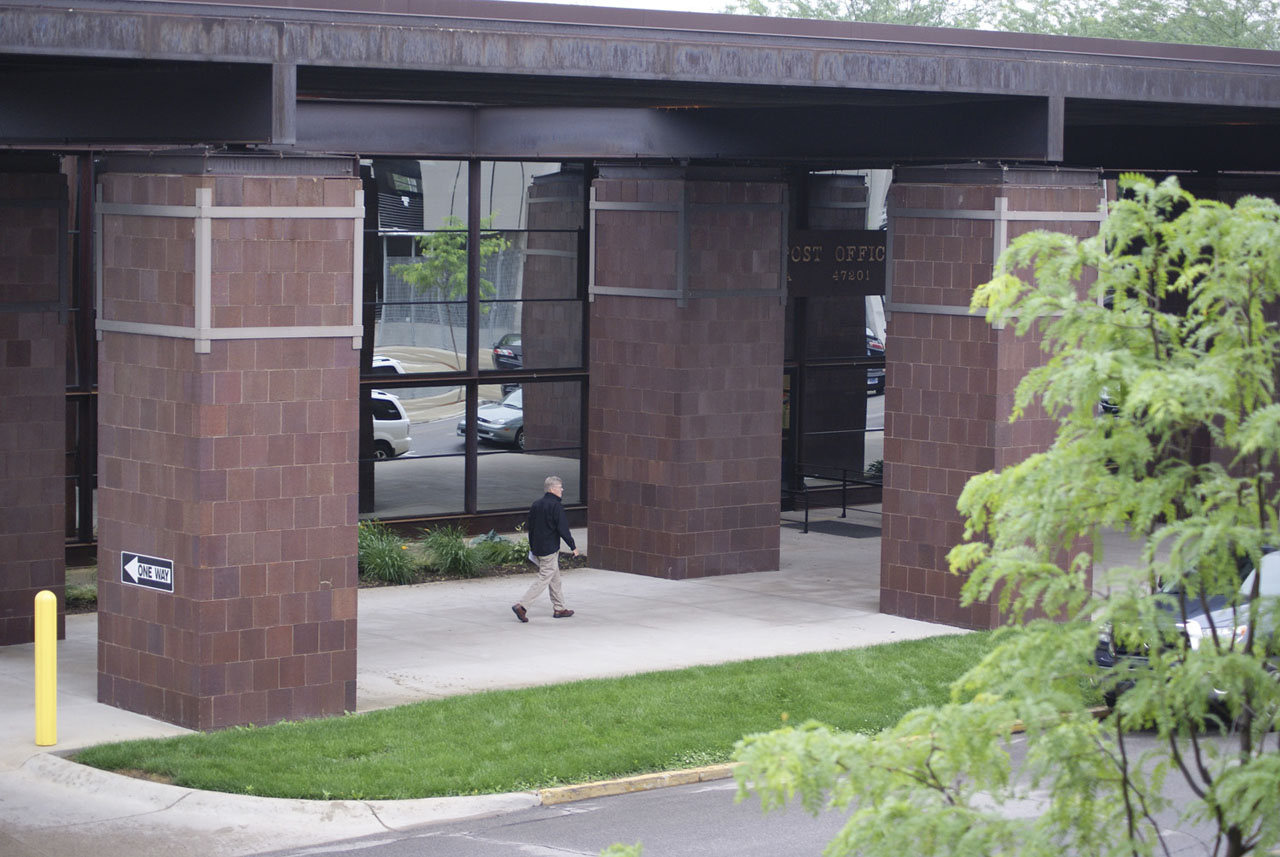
pixel 390 425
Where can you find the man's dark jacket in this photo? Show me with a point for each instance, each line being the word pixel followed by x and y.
pixel 548 525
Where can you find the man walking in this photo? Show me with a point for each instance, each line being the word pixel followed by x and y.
pixel 547 526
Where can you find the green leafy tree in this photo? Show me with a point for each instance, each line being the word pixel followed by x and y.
pixel 1233 23
pixel 1170 313
pixel 920 13
pixel 442 272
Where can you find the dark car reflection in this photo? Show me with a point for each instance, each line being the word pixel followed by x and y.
pixel 507 353
pixel 875 377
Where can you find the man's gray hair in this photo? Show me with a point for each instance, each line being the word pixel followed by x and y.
pixel 552 482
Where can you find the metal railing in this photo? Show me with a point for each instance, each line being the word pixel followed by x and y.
pixel 824 472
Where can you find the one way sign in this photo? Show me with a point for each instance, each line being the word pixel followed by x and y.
pixel 149 571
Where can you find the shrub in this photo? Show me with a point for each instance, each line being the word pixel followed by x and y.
pixel 383 555
pixel 1165 315
pixel 448 552
pixel 493 549
pixel 82 596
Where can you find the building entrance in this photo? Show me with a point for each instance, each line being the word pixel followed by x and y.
pixel 834 376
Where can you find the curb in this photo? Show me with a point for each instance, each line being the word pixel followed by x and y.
pixel 639 783
pixel 665 779
pixel 1099 712
pixel 50 796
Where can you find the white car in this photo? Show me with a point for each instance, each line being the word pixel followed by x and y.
pixel 390 425
pixel 383 365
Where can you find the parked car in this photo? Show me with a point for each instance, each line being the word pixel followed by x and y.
pixel 506 352
pixel 1206 617
pixel 500 422
pixel 875 377
pixel 383 365
pixel 390 425
pixel 1107 403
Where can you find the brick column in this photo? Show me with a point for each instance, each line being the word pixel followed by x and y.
pixel 33 388
pixel 228 444
pixel 836 202
pixel 686 372
pixel 551 312
pixel 951 377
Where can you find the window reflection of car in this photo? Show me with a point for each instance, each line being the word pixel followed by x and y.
pixel 385 366
pixel 390 425
pixel 875 377
pixel 507 353
pixel 499 422
pixel 1207 618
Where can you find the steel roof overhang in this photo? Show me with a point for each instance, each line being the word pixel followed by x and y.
pixel 494 79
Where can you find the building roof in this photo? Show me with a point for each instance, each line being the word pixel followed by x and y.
pixel 499 79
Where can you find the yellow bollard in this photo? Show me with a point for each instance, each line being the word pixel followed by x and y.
pixel 46 669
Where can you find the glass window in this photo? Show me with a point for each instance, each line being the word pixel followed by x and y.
pixel 834 419
pixel 417 466
pixel 531 297
pixel 529 267
pixel 535 335
pixel 81 470
pixel 533 294
pixel 415 195
pixel 515 195
pixel 533 432
pixel 421 321
pixel 399 199
pixel 873 438
pixel 836 327
pixel 539 265
pixel 413 486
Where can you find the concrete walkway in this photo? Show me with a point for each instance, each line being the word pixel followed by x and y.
pixel 424 642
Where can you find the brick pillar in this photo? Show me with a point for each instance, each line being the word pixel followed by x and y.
pixel 551 312
pixel 33 388
pixel 836 201
pixel 686 372
pixel 951 377
pixel 228 443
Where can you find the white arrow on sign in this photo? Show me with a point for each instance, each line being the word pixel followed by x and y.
pixel 148 571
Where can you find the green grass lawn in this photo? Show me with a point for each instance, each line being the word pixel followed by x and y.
pixel 504 741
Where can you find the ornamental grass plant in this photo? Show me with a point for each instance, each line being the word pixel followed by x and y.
pixel 447 552
pixel 384 556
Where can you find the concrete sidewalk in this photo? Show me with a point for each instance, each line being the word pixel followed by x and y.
pixel 425 642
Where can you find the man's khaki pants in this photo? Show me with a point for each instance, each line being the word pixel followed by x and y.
pixel 548 577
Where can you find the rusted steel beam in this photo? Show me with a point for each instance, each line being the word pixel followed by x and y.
pixel 808 54
pixel 1009 129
